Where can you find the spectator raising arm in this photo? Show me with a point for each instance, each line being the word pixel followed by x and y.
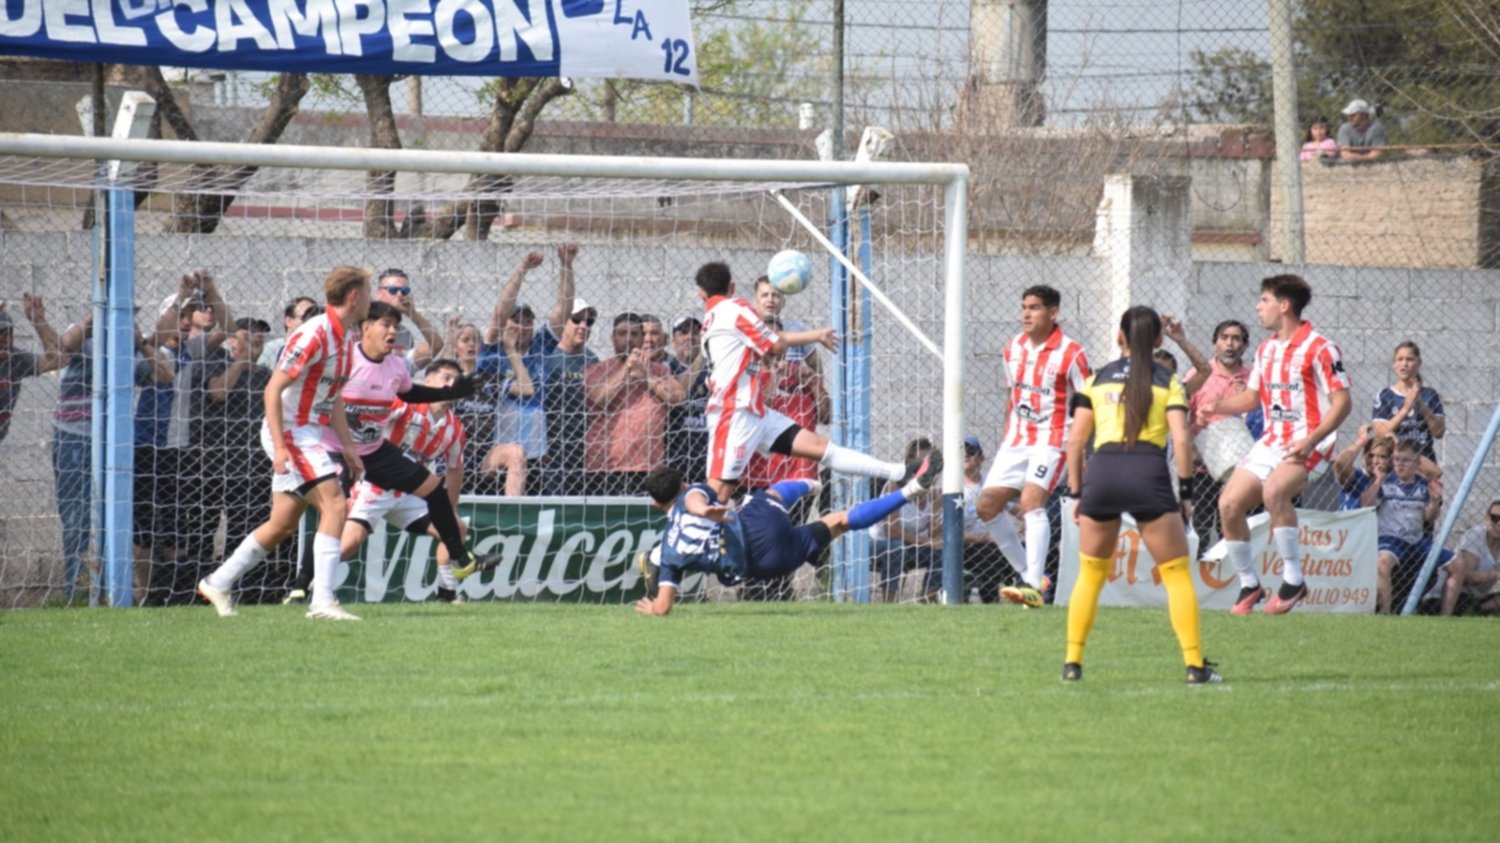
pixel 1172 329
pixel 565 288
pixel 431 344
pixel 52 357
pixel 510 293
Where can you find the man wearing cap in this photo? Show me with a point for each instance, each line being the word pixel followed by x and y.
pixel 1361 135
pixel 395 289
pixel 16 366
pixel 521 417
pixel 687 422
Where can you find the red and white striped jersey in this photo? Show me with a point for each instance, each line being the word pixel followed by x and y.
pixel 1295 378
pixel 317 356
pixel 1043 379
pixel 414 430
pixel 734 340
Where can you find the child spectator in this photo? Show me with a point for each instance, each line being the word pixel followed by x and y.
pixel 1316 143
pixel 1405 502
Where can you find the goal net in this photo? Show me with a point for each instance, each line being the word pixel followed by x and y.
pixel 229 240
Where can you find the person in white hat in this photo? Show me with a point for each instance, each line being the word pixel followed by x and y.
pixel 1361 135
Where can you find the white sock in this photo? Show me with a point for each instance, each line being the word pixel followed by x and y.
pixel 1291 554
pixel 325 567
pixel 846 461
pixel 246 556
pixel 1038 537
pixel 1239 554
pixel 445 578
pixel 1004 534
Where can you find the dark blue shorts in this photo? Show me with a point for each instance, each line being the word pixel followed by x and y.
pixel 773 547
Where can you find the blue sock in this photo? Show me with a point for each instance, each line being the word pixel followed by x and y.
pixel 790 490
pixel 870 513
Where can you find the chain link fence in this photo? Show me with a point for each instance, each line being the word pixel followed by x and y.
pixel 1045 101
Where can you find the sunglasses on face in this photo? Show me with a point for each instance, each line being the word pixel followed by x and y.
pixel 583 320
pixel 398 291
pixel 1495 517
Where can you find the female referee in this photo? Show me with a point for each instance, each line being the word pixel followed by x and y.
pixel 1129 410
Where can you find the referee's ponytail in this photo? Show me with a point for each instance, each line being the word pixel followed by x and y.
pixel 1141 327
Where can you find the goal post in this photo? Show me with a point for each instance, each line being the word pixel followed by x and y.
pixel 563 190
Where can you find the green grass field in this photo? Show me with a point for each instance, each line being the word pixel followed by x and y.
pixel 741 722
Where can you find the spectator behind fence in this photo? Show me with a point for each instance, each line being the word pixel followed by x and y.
pixel 16 366
pixel 910 538
pixel 1474 572
pixel 297 311
pixel 235 474
pixel 987 569
pixel 1377 451
pixel 394 288
pixel 1361 136
pixel 191 326
pixel 1221 376
pixel 520 440
pixel 628 396
pixel 476 412
pixel 770 301
pixel 1407 409
pixel 687 422
pixel 72 436
pixel 1405 503
pixel 566 358
pixel 1316 144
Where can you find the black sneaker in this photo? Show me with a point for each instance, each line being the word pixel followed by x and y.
pixel 917 466
pixel 931 469
pixel 1072 672
pixel 1205 675
pixel 449 595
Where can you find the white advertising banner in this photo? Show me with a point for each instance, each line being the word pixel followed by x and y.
pixel 1338 561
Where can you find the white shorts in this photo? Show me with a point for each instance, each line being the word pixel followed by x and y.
pixel 308 460
pixel 370 504
pixel 1263 459
pixel 733 438
pixel 1039 465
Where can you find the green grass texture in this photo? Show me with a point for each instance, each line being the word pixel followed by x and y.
pixel 727 722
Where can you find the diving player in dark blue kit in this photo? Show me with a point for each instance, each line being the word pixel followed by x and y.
pixel 756 541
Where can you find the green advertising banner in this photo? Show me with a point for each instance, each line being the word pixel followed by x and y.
pixel 577 549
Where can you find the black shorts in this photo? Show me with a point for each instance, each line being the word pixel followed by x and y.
pixel 1136 481
pixel 390 468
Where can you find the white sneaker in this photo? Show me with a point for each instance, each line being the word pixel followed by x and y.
pixel 330 612
pixel 221 599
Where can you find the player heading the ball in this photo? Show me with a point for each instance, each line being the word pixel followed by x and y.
pixel 739 423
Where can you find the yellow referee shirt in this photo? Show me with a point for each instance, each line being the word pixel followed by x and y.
pixel 1103 393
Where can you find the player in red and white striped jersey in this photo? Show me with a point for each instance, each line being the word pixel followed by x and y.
pixel 739 424
pixel 1045 369
pixel 1298 380
pixel 432 436
pixel 301 399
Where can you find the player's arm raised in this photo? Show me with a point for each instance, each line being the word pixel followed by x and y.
pixel 819 336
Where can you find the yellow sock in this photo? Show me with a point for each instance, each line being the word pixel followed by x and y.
pixel 1182 606
pixel 1084 604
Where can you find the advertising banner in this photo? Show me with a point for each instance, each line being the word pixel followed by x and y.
pixel 552 548
pixel 1338 561
pixel 634 39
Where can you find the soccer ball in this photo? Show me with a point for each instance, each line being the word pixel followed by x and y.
pixel 789 272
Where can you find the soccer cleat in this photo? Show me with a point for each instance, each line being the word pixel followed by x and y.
pixel 1205 675
pixel 294 597
pixel 1286 598
pixel 1031 598
pixel 1072 672
pixel 918 466
pixel 649 573
pixel 931 469
pixel 449 595
pixel 330 612
pixel 219 598
pixel 475 565
pixel 1249 596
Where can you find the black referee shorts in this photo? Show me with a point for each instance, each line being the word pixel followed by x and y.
pixel 1136 481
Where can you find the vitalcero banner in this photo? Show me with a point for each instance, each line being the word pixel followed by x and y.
pixel 635 39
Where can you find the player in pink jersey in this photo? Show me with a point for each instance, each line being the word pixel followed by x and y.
pixel 1298 379
pixel 739 424
pixel 378 377
pixel 1045 369
pixel 429 435
pixel 301 399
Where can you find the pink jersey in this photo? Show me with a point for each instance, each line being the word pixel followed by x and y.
pixel 413 429
pixel 317 358
pixel 368 397
pixel 1043 379
pixel 734 340
pixel 1295 378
